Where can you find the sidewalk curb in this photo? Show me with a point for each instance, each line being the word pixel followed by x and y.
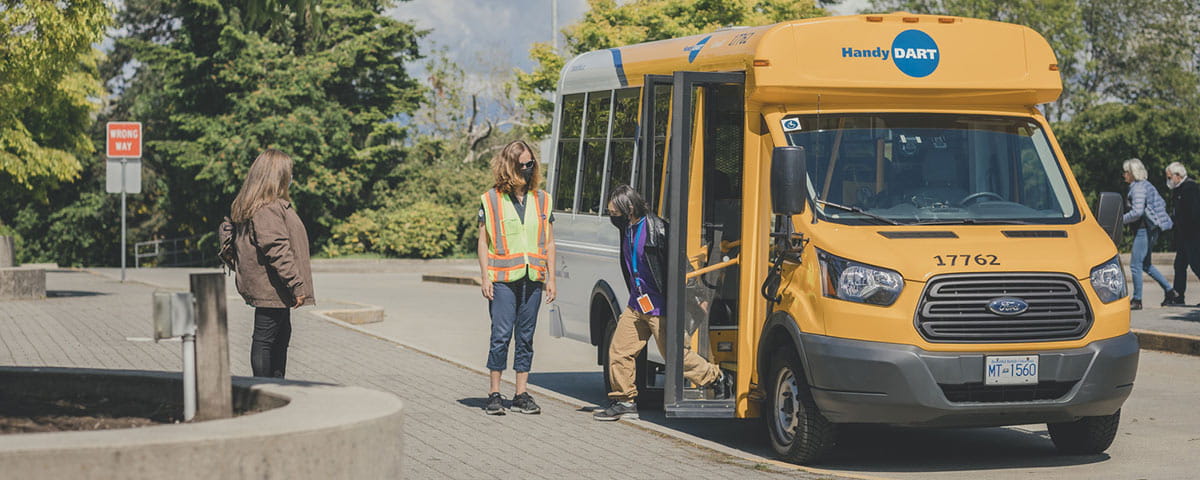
pixel 1168 342
pixel 451 279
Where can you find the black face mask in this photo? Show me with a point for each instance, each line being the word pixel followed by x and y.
pixel 619 221
pixel 527 174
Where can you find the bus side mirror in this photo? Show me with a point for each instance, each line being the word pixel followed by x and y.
pixel 1108 213
pixel 789 189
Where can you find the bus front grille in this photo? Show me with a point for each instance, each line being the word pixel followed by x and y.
pixel 980 393
pixel 954 308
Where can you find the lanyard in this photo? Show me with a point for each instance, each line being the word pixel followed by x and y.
pixel 641 228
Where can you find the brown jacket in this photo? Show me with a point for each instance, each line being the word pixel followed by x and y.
pixel 272 258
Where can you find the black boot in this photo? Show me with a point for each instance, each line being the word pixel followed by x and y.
pixel 1135 304
pixel 1172 299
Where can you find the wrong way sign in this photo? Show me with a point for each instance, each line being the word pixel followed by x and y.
pixel 124 140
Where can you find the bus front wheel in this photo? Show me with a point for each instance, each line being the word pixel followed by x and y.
pixel 1088 435
pixel 798 431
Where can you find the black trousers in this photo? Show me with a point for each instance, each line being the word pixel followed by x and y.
pixel 268 350
pixel 1187 253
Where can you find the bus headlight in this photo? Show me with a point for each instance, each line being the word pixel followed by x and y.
pixel 1108 280
pixel 856 282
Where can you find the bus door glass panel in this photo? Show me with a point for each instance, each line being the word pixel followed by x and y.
pixel 654 136
pixel 704 183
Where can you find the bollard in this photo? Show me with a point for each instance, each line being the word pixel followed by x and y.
pixel 213 384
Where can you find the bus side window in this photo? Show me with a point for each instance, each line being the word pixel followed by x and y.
pixel 595 140
pixel 568 152
pixel 621 142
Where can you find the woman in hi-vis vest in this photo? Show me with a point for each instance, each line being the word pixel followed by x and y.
pixel 516 258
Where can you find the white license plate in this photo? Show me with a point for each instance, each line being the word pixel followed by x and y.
pixel 1010 370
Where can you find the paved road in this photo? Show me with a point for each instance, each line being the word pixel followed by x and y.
pixel 95 321
pixel 1159 435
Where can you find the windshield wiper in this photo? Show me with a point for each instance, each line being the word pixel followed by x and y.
pixel 858 211
pixel 972 221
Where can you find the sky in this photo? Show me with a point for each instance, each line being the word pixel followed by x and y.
pixel 484 36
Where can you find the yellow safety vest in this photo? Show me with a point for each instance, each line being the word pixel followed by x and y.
pixel 517 249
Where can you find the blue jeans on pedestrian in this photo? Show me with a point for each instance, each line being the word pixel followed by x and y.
pixel 514 308
pixel 1140 261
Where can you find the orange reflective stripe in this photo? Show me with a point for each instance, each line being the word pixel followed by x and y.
pixel 500 241
pixel 539 200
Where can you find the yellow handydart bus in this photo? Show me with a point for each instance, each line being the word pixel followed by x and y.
pixel 869 220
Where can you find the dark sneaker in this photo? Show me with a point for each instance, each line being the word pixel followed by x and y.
pixel 1135 304
pixel 617 410
pixel 1173 299
pixel 495 404
pixel 723 387
pixel 524 403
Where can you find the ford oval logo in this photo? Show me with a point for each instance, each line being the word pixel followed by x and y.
pixel 1007 306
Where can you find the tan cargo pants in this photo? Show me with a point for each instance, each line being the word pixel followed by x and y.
pixel 633 331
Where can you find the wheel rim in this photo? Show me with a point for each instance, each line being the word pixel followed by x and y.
pixel 787 406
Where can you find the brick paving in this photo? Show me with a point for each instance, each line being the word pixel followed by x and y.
pixel 95 322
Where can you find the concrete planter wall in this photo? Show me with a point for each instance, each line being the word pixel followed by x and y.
pixel 307 431
pixel 22 283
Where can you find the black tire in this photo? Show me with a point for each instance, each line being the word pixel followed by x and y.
pixel 1086 436
pixel 796 429
pixel 604 344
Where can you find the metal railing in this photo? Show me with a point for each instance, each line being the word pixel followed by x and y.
pixel 194 251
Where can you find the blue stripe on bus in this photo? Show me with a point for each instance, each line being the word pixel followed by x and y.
pixel 616 54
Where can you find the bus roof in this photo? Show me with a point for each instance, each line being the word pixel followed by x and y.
pixel 857 59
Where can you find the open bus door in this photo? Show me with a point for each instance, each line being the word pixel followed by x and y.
pixel 701 200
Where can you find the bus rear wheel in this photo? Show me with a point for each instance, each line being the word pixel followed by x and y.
pixel 798 431
pixel 1088 435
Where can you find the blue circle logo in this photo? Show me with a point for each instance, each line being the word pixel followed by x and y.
pixel 915 53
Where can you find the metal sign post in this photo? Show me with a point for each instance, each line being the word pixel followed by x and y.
pixel 124 142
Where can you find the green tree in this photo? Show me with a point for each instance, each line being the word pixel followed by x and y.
pixel 214 92
pixel 49 87
pixel 1141 49
pixel 608 24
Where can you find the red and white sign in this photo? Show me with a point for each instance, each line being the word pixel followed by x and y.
pixel 124 140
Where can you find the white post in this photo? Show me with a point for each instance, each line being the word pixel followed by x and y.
pixel 124 163
pixel 189 377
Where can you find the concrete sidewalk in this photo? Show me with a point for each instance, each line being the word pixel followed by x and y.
pixel 94 321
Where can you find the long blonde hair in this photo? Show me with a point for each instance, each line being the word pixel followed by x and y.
pixel 505 169
pixel 268 180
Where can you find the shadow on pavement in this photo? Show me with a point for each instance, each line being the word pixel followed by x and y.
pixel 72 293
pixel 860 447
pixel 1188 315
pixel 901 449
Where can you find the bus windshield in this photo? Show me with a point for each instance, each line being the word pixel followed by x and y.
pixel 931 169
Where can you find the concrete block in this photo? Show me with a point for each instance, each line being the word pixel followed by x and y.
pixel 22 284
pixel 8 252
pixel 357 316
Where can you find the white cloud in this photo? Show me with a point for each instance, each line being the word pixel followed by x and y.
pixel 500 32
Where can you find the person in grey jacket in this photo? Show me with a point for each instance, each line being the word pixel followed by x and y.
pixel 273 270
pixel 1148 217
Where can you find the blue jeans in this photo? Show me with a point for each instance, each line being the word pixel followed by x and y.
pixel 1140 260
pixel 514 306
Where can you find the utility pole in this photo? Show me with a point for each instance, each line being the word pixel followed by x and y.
pixel 554 24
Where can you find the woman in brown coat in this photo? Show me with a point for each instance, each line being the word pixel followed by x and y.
pixel 273 271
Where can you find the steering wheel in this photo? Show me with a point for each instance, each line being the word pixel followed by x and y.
pixel 977 195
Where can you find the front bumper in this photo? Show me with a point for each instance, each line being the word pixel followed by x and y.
pixel 855 381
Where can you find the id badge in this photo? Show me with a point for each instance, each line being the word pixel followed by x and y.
pixel 645 304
